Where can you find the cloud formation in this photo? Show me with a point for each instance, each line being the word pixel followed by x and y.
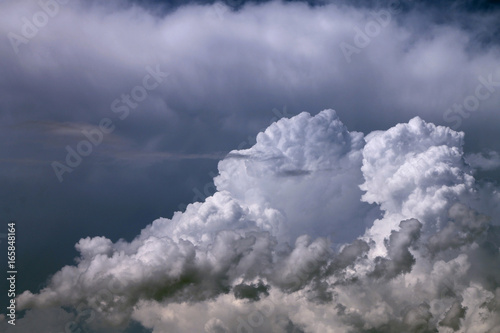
pixel 315 228
pixel 228 70
pixel 252 256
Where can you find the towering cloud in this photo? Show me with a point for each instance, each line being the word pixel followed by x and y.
pixel 262 253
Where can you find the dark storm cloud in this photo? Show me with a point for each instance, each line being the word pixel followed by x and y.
pixel 399 260
pixel 213 93
pixel 465 227
pixel 251 291
pixel 452 318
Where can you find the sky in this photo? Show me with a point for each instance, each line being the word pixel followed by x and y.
pixel 295 166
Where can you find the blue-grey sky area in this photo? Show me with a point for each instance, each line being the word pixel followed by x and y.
pixel 114 114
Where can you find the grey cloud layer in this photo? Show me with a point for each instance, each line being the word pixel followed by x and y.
pixel 222 68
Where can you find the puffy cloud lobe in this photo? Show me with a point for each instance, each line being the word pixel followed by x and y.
pixel 453 316
pixel 46 320
pixel 399 260
pixel 408 156
pixel 215 325
pixel 306 260
pixel 465 226
pixel 315 156
pixel 414 170
pixel 90 247
pixel 249 257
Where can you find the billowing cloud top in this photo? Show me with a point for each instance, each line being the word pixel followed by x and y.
pixel 258 256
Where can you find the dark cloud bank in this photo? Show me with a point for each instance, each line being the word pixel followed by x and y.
pixel 367 219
